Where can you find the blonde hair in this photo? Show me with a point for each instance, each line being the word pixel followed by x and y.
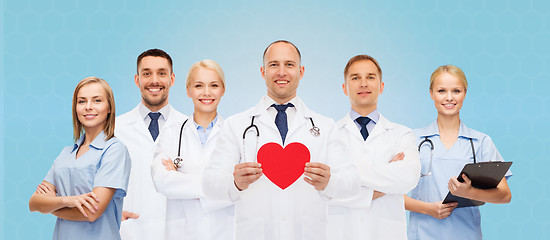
pixel 207 64
pixel 109 128
pixel 450 69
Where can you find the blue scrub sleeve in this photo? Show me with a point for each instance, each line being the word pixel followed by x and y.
pixel 114 169
pixel 489 152
pixel 50 176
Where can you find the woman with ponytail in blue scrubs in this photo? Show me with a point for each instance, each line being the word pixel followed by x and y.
pixel 453 145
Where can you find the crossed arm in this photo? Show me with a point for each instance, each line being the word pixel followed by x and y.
pixel 85 207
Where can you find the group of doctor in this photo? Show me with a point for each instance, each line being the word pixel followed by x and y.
pixel 201 177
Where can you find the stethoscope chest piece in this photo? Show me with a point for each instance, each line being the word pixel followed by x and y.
pixel 315 131
pixel 178 162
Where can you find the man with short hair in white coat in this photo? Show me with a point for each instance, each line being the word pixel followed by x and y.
pixel 144 208
pixel 385 154
pixel 279 161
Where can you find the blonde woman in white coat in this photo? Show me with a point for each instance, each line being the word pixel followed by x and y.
pixel 188 214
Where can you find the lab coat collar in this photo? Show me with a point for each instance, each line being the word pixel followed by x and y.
pixel 139 124
pixel 215 129
pixel 381 126
pixel 466 132
pixel 350 126
pixel 266 102
pixel 302 113
pixel 98 143
pixel 433 130
pixel 144 111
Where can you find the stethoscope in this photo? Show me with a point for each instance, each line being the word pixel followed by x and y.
pixel 315 131
pixel 178 161
pixel 431 144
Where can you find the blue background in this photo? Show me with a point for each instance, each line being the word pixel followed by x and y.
pixel 503 47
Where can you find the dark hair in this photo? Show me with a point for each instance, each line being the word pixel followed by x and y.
pixel 154 53
pixel 282 41
pixel 362 58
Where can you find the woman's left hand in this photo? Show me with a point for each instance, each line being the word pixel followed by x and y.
pixel 45 189
pixel 461 189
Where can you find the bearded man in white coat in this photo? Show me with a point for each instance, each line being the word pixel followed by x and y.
pixel 385 154
pixel 280 196
pixel 144 209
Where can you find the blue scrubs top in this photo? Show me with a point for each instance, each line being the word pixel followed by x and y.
pixel 463 223
pixel 105 164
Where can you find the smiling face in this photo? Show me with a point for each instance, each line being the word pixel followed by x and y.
pixel 154 80
pixel 363 86
pixel 206 89
pixel 282 72
pixel 92 107
pixel 448 93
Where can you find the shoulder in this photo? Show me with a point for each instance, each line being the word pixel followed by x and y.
pixel 115 144
pixel 239 117
pixel 343 121
pixel 422 132
pixel 316 117
pixel 127 117
pixel 394 126
pixel 66 150
pixel 176 115
pixel 479 136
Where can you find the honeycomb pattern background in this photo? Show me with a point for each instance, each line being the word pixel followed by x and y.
pixel 503 46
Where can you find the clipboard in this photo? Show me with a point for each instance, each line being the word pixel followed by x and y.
pixel 484 175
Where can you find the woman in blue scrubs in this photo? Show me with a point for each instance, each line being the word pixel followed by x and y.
pixel 87 182
pixel 452 149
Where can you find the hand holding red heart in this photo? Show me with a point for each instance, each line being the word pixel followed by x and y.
pixel 317 174
pixel 246 173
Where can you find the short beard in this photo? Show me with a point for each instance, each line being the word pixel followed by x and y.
pixel 151 103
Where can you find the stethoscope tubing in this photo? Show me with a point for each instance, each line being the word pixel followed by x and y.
pixel 315 131
pixel 429 141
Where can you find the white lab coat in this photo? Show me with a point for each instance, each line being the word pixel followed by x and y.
pixel 189 215
pixel 384 218
pixel 142 197
pixel 264 211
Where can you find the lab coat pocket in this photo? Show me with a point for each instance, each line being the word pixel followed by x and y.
pixel 250 229
pixel 314 228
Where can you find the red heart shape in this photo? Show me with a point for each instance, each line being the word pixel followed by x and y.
pixel 283 166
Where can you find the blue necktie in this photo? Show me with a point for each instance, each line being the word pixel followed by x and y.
pixel 280 119
pixel 154 125
pixel 363 121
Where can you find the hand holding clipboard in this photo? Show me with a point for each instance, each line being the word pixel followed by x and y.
pixel 485 175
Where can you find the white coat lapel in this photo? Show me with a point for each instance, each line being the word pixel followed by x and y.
pixel 302 117
pixel 352 128
pixel 261 115
pixel 139 125
pixel 216 129
pixel 381 126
